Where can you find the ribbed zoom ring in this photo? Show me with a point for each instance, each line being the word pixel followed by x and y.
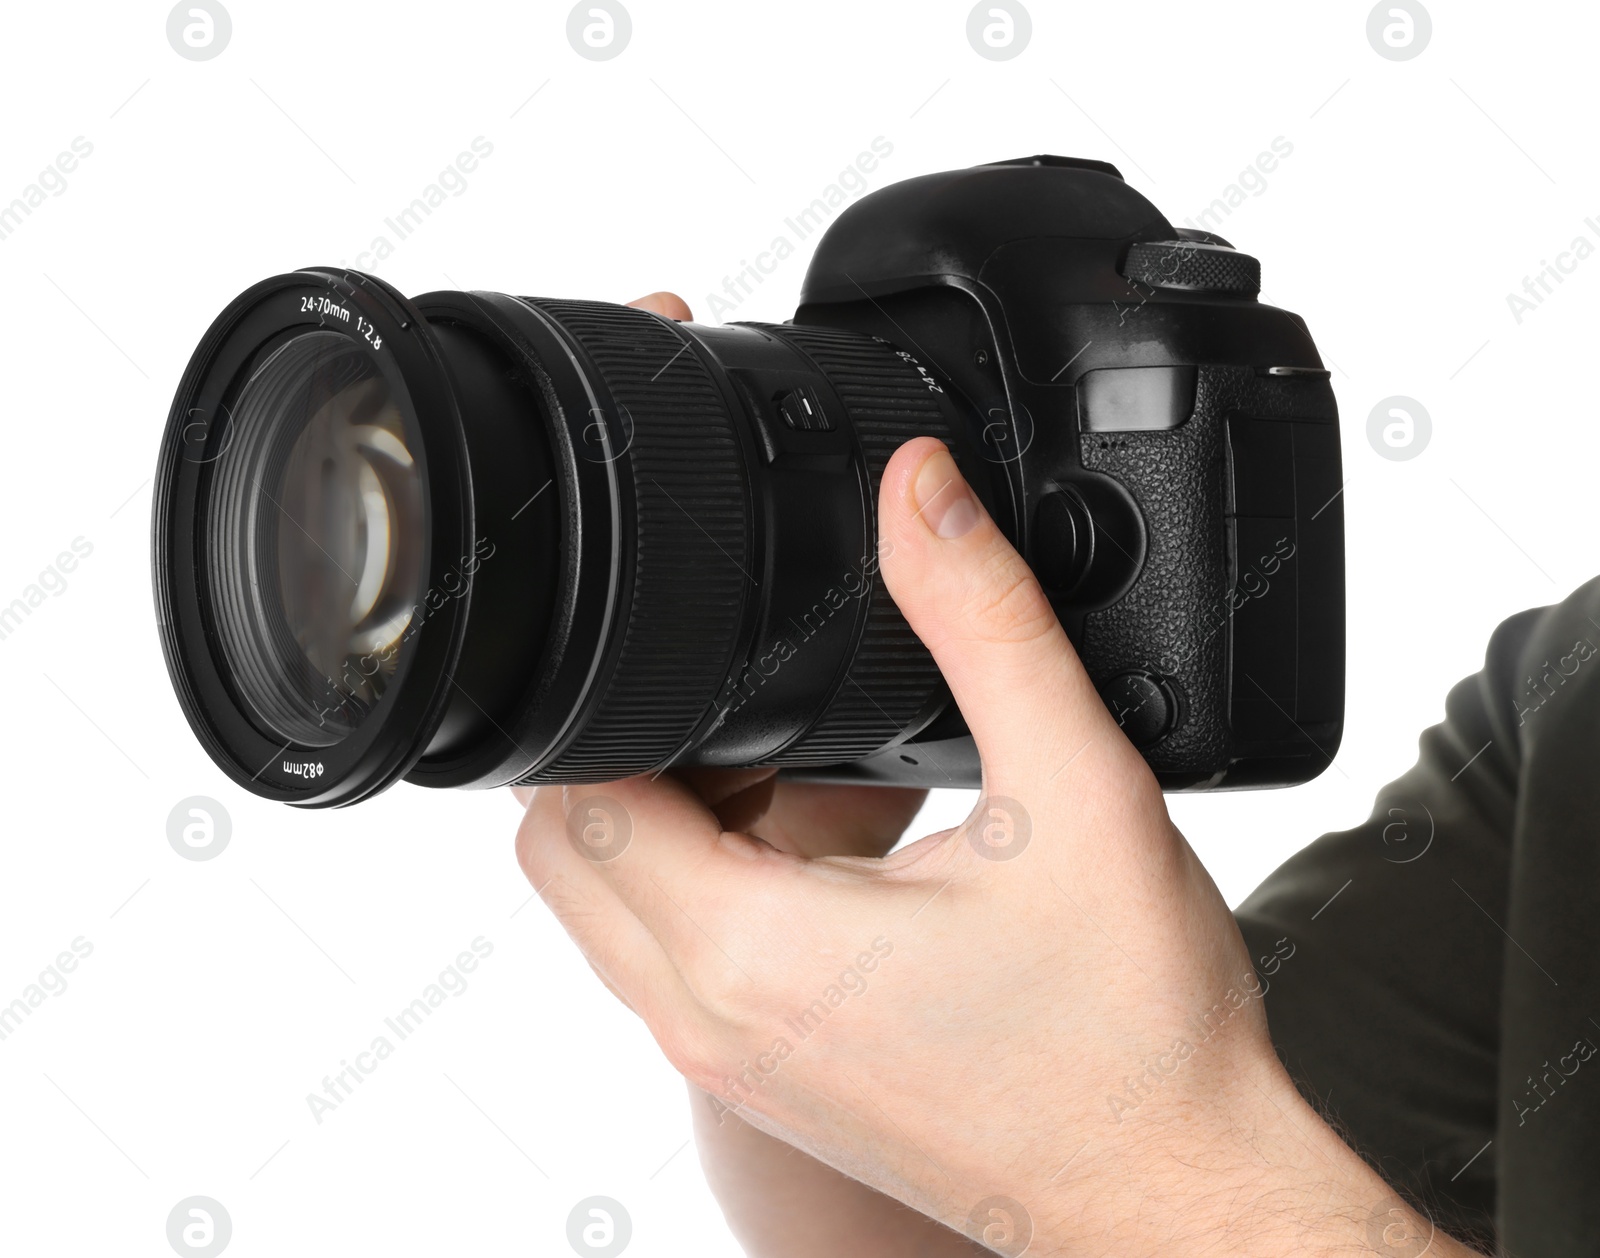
pixel 892 679
pixel 674 439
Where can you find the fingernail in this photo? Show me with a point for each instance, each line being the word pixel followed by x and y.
pixel 944 501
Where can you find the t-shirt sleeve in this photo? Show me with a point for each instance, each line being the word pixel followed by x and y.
pixel 1383 997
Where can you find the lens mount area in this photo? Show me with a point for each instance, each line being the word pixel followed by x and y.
pixel 314 458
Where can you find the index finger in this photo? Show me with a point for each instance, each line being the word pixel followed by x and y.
pixel 664 303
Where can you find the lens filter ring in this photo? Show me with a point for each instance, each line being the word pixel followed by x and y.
pixel 212 478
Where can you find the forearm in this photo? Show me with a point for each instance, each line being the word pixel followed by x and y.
pixel 781 1203
pixel 1271 1179
pixel 1290 1186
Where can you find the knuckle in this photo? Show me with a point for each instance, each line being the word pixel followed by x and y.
pixel 530 834
pixel 541 826
pixel 1010 605
pixel 694 1054
pixel 566 902
pixel 723 986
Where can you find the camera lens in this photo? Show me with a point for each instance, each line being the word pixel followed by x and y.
pixel 314 550
pixel 475 539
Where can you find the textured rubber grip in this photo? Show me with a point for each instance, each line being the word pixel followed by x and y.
pixel 891 680
pixel 688 534
pixel 1192 265
pixel 1178 619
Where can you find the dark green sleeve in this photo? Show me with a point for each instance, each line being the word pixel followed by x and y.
pixel 1385 971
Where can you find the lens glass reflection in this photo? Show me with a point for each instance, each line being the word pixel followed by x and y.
pixel 317 538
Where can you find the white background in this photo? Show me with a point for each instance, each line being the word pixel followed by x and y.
pixel 177 1062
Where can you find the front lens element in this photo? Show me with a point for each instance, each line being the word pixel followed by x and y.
pixel 316 538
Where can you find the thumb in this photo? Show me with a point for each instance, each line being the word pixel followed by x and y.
pixel 977 607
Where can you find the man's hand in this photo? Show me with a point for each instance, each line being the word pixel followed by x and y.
pixel 1041 1028
pixel 778 1201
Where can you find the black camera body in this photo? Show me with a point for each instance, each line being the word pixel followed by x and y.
pixel 474 539
pixel 1160 446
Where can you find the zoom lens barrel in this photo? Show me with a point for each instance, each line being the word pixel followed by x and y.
pixel 475 539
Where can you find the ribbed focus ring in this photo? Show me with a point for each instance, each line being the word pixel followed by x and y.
pixel 689 533
pixel 892 677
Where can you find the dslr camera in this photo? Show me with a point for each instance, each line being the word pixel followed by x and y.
pixel 471 539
